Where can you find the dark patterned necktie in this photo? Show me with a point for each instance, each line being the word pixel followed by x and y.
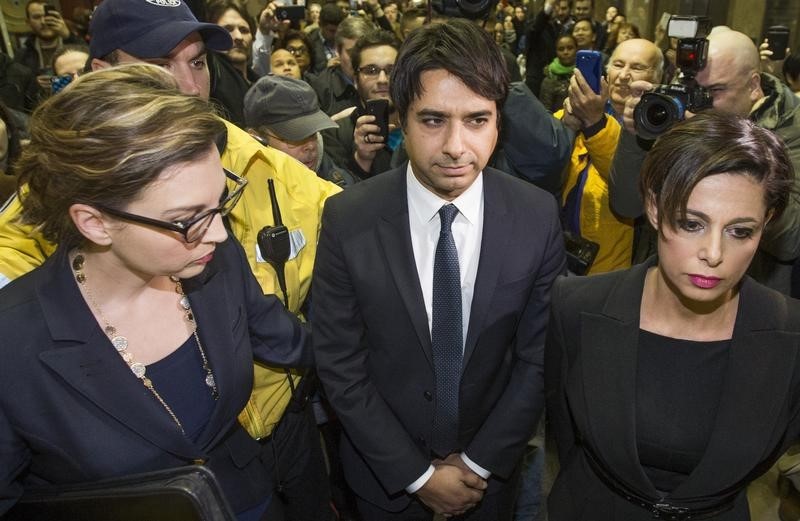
pixel 446 336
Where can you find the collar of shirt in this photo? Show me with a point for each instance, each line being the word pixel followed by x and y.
pixel 426 204
pixel 425 225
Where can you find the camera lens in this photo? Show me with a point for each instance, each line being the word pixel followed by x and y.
pixel 656 113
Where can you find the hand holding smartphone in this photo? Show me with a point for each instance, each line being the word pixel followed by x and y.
pixel 380 109
pixel 590 63
pixel 292 13
pixel 778 39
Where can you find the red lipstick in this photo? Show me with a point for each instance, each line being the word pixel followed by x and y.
pixel 704 282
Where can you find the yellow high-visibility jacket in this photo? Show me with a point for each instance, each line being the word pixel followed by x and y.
pixel 598 223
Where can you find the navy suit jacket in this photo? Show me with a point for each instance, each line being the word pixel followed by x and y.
pixel 591 399
pixel 72 411
pixel 372 342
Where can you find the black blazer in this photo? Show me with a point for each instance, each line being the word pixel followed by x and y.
pixel 71 411
pixel 591 385
pixel 372 341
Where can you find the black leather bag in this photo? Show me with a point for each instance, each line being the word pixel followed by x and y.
pixel 188 493
pixel 580 253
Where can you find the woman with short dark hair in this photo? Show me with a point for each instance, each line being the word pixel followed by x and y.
pixel 674 384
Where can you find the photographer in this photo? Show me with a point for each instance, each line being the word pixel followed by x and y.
pixel 731 75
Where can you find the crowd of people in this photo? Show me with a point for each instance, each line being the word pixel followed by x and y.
pixel 354 256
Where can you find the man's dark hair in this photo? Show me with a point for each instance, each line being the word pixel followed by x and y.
pixel 585 19
pixel 71 47
pixel 461 48
pixel 215 9
pixel 791 66
pixel 373 38
pixel 330 14
pixel 30 3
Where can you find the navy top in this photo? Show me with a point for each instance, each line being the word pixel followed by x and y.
pixel 181 381
pixel 678 388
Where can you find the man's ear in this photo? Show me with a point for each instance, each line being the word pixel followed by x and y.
pixel 90 223
pixel 98 64
pixel 754 86
pixel 651 209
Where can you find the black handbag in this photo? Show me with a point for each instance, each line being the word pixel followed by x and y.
pixel 189 493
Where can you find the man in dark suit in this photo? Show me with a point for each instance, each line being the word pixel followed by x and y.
pixel 431 295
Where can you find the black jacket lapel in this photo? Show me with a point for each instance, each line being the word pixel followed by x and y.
pixel 608 365
pixel 494 247
pixel 395 238
pixel 87 361
pixel 762 361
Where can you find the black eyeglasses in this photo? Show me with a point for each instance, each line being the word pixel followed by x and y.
pixel 195 228
pixel 374 70
pixel 297 51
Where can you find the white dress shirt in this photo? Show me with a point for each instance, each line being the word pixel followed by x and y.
pixel 467 229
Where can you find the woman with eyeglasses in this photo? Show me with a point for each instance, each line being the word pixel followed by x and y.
pixel 299 46
pixel 673 385
pixel 131 349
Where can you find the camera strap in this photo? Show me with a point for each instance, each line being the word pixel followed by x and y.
pixel 571 211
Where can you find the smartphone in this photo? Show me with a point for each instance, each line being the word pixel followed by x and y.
pixel 590 63
pixel 778 37
pixel 49 9
pixel 293 13
pixel 380 109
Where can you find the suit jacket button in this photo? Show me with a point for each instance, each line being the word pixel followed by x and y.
pixel 428 396
pixel 422 441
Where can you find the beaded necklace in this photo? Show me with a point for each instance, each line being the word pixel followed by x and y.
pixel 120 342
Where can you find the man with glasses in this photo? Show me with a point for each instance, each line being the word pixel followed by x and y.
pixel 168 34
pixel 298 45
pixel 358 144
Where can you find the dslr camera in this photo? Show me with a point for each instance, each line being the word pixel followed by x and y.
pixel 665 105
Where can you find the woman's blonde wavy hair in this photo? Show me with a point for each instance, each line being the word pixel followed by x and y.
pixel 104 139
